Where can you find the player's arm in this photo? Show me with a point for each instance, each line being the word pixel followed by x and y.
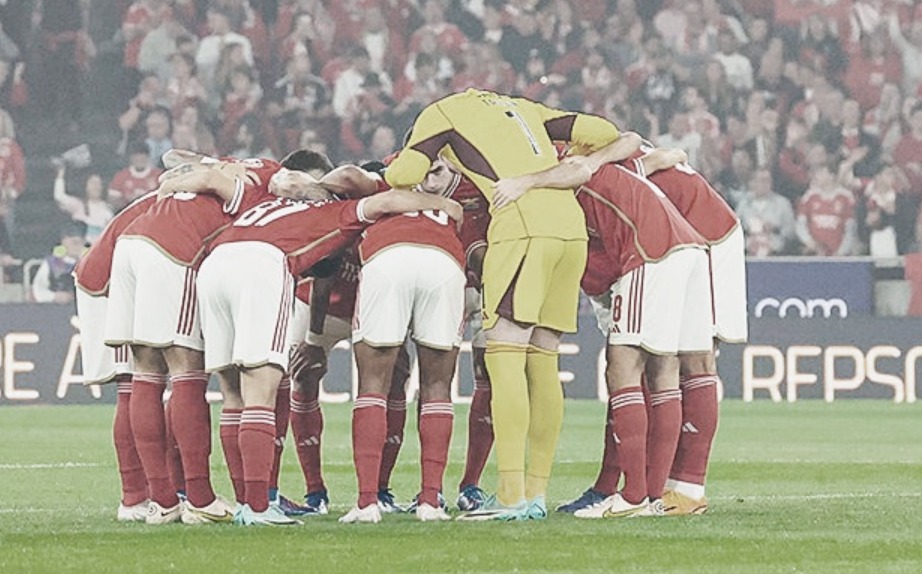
pixel 662 158
pixel 351 181
pixel 174 157
pixel 585 131
pixel 570 173
pixel 619 150
pixel 401 201
pixel 431 132
pixel 229 189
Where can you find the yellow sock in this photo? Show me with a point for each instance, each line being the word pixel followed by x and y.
pixel 546 407
pixel 506 365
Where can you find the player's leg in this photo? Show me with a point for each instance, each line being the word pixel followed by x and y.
pixel 369 425
pixel 148 425
pixel 699 383
pixel 700 389
pixel 505 359
pixel 256 438
pixel 231 412
pixel 479 420
pixel 561 265
pixel 436 418
pixel 382 317
pixel 665 422
pixel 545 395
pixel 396 422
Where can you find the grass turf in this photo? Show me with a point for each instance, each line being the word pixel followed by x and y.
pixel 805 487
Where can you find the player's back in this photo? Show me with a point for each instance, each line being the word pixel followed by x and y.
pixel 94 267
pixel 633 218
pixel 694 197
pixel 305 231
pixel 497 136
pixel 427 228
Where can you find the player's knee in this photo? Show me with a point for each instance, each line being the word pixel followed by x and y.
pixel 545 338
pixel 508 331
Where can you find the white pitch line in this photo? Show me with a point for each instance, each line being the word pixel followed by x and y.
pixel 50 465
pixel 828 496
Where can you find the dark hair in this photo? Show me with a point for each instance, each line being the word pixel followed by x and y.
pixel 307 160
pixel 138 146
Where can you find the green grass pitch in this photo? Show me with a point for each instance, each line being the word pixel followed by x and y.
pixel 806 487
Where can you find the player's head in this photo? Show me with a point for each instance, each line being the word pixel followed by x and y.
pixel 299 175
pixel 441 179
pixel 313 162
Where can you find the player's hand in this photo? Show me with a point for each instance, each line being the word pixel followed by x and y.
pixel 454 210
pixel 239 171
pixel 507 190
pixel 307 361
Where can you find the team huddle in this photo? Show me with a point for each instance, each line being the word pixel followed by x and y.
pixel 252 270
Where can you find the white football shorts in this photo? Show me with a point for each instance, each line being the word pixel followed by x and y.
pixel 728 278
pixel 246 293
pixel 152 298
pixel 410 287
pixel 100 363
pixel 663 306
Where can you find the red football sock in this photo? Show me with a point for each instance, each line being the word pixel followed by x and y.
pixel 148 426
pixel 610 473
pixel 435 423
pixel 230 431
pixel 307 428
pixel 699 425
pixel 190 419
pixel 479 433
pixel 369 427
pixel 629 423
pixel 282 416
pixel 256 438
pixel 134 485
pixel 665 423
pixel 173 458
pixel 396 421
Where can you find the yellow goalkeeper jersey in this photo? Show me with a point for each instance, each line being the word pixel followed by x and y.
pixel 490 136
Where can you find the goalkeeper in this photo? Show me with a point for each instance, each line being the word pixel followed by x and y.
pixel 535 258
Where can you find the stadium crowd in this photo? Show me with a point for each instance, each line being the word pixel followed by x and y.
pixel 805 113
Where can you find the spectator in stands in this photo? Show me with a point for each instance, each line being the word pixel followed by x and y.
pixel 680 135
pixel 53 281
pixel 826 215
pixel 158 48
pixel 911 51
pixel 12 173
pixel 64 51
pixel 211 47
pixel 131 122
pixel 881 195
pixel 142 17
pixel 766 217
pixel 91 210
pixel 242 97
pixel 158 125
pixel 737 66
pixel 883 121
pixel 14 93
pixel 348 85
pixel 193 131
pixel 908 152
pixel 134 180
pixel 183 88
pixel 250 140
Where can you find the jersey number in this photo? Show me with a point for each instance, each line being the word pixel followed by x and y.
pixel 616 308
pixel 525 129
pixel 269 211
pixel 437 216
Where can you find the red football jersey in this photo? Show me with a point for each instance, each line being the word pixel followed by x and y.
pixel 696 200
pixel 94 268
pixel 632 221
pixel 476 215
pixel 430 228
pixel 183 224
pixel 826 217
pixel 305 231
pixel 345 290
